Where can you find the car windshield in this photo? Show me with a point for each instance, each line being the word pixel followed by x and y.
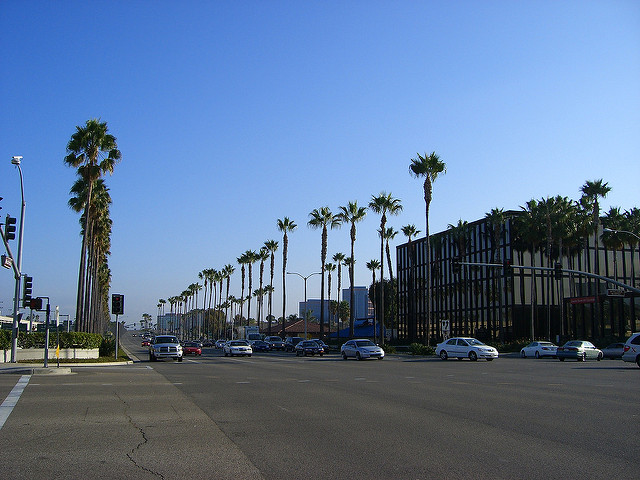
pixel 365 343
pixel 191 344
pixel 238 343
pixel 473 341
pixel 166 340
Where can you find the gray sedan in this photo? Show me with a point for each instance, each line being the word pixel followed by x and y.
pixel 579 350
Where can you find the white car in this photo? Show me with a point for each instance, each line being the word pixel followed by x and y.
pixel 220 343
pixel 465 347
pixel 360 349
pixel 632 349
pixel 237 347
pixel 539 349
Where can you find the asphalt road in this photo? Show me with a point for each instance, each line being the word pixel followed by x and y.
pixel 278 416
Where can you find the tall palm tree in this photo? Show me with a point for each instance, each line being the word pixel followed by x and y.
pixel 339 259
pixel 323 218
pixel 411 231
pixel 389 234
pixel 382 204
pixel 242 261
pixel 285 225
pixel 496 219
pixel 262 256
pixel 460 238
pixel 593 191
pixel 97 151
pixel 430 167
pixel 227 272
pixel 329 267
pixel 271 246
pixel 252 257
pixel 374 265
pixel 352 214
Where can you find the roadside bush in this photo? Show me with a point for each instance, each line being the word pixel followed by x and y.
pixel 67 340
pixel 108 347
pixel 5 339
pixel 420 349
pixel 510 347
pixel 388 348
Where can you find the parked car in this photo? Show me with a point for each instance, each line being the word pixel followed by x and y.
pixel 260 346
pixel 275 342
pixel 539 349
pixel 324 346
pixel 146 343
pixel 165 346
pixel 220 343
pixel 308 347
pixel 361 348
pixel 632 349
pixel 291 342
pixel 192 348
pixel 613 351
pixel 465 347
pixel 579 350
pixel 237 347
pixel 207 342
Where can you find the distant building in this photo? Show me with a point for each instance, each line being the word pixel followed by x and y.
pixel 363 308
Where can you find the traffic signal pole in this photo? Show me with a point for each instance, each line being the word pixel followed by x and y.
pixel 16 296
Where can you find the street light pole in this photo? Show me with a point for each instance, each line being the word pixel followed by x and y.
pixel 16 298
pixel 305 297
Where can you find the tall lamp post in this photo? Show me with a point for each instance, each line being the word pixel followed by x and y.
pixel 305 297
pixel 16 298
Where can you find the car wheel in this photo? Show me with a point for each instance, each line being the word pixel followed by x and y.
pixel 522 354
pixel 321 354
pixel 358 356
pixel 561 359
pixel 638 360
pixel 179 359
pixel 473 356
pixel 152 358
pixel 249 355
pixel 344 356
pixel 537 354
pixel 582 358
pixel 489 359
pixel 600 356
pixel 443 355
pixel 226 354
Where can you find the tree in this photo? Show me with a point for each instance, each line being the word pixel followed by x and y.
pixel 252 257
pixel 352 214
pixel 430 167
pixel 323 218
pixel 242 261
pixel 411 231
pixel 374 265
pixel 382 204
pixel 262 256
pixel 329 267
pixel 271 246
pixel 92 148
pixel 339 259
pixel 285 225
pixel 389 234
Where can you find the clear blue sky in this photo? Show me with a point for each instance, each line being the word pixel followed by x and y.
pixel 231 115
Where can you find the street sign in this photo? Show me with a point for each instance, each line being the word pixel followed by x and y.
pixel 615 292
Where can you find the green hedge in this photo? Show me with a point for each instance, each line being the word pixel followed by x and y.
pixel 37 339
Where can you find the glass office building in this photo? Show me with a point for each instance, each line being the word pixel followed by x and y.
pixel 494 303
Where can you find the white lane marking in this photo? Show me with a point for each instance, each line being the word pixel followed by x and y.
pixel 12 399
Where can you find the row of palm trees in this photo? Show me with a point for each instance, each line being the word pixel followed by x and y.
pixel 384 204
pixel 94 152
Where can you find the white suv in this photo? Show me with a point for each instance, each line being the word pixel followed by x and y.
pixel 631 351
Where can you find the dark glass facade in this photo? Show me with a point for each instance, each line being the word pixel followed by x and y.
pixel 489 304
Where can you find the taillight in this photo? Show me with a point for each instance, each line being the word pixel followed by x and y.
pixel 627 348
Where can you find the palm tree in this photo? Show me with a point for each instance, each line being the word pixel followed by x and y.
pixel 227 272
pixel 411 231
pixel 242 261
pixel 262 256
pixel 339 259
pixel 271 246
pixel 92 148
pixel 352 214
pixel 252 257
pixel 374 265
pixel 329 267
pixel 495 228
pixel 430 167
pixel 350 263
pixel 613 220
pixel 323 218
pixel 460 238
pixel 389 234
pixel 285 225
pixel 382 204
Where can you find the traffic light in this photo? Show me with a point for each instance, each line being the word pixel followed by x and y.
pixel 557 271
pixel 35 304
pixel 10 228
pixel 27 288
pixel 117 304
pixel 507 269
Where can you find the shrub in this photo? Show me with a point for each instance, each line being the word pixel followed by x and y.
pixel 108 347
pixel 420 349
pixel 5 339
pixel 388 348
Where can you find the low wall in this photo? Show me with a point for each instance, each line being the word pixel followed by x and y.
pixel 38 354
